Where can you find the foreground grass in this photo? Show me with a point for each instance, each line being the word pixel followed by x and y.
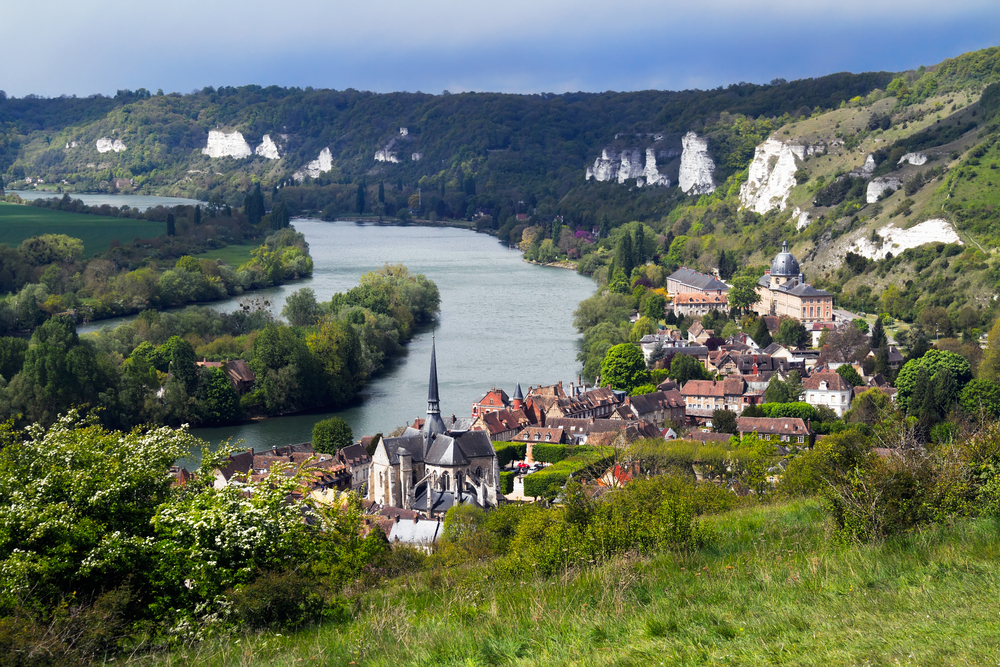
pixel 18 222
pixel 772 590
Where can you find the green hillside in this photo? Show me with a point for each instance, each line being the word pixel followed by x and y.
pixel 18 223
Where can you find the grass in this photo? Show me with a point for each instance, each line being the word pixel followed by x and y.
pixel 19 222
pixel 772 590
pixel 234 255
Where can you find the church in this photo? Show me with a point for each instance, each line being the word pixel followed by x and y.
pixel 432 469
pixel 784 291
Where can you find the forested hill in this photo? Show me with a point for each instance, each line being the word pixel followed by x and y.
pixel 513 146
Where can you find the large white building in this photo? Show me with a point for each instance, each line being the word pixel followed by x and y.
pixel 784 291
pixel 830 389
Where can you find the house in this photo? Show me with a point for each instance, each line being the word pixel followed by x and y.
pixel 698 334
pixel 895 357
pixel 668 340
pixel 595 431
pixel 702 397
pixel 783 291
pixel 435 468
pixel 689 281
pixel 597 403
pixel 357 460
pixel 494 401
pixel 502 425
pixel 658 407
pixel 237 370
pixel 696 304
pixel 829 389
pixel 546 434
pixel 785 429
pixel 627 434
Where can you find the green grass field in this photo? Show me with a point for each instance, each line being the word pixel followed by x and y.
pixel 234 255
pixel 19 222
pixel 772 589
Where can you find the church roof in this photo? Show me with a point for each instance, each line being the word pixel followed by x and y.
pixel 517 392
pixel 446 452
pixel 699 281
pixel 412 440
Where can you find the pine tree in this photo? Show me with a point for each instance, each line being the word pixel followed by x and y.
pixel 760 334
pixel 253 205
pixel 878 334
pixel 171 225
pixel 639 246
pixel 623 257
pixel 360 200
pixel 605 227
pixel 197 215
pixel 381 192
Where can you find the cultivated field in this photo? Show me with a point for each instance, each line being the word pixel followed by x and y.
pixel 97 232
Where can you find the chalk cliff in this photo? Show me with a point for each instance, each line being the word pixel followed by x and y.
pixel 695 177
pixel 106 144
pixel 896 240
pixel 221 144
pixel 771 175
pixel 630 164
pixel 268 149
pixel 320 165
pixel 880 185
pixel 916 159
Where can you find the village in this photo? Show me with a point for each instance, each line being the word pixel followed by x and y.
pixel 409 480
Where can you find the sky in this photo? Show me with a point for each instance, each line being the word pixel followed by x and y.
pixel 81 47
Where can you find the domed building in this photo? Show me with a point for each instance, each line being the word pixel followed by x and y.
pixel 784 291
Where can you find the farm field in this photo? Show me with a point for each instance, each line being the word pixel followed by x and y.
pixel 233 255
pixel 18 223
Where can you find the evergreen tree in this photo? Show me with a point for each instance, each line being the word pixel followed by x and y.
pixel 727 265
pixel 222 403
pixel 253 205
pixel 945 392
pixel 279 216
pixel 359 202
pixel 882 359
pixel 760 333
pixel 470 185
pixel 878 334
pixel 639 247
pixel 229 211
pixel 171 225
pixel 197 215
pixel 381 192
pixel 920 391
pixel 556 229
pixel 624 257
pixel 605 227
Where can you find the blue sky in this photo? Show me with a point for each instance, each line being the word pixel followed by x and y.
pixel 523 46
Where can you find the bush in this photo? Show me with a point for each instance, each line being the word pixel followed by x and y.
pixel 508 452
pixel 539 484
pixel 586 462
pixel 331 435
pixel 507 482
pixel 280 600
pixel 547 452
pixel 789 410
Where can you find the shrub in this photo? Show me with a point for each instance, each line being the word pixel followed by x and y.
pixel 507 482
pixel 509 451
pixel 280 600
pixel 539 484
pixel 548 452
pixel 789 410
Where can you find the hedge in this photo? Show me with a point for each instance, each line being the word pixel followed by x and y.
pixel 547 452
pixel 788 410
pixel 507 482
pixel 509 451
pixel 585 460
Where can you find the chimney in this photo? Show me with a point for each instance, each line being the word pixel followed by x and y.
pixel 397 517
pixel 416 519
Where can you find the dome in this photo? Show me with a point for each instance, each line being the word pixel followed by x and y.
pixel 784 263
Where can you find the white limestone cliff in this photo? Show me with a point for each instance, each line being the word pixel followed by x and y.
pixel 403 131
pixel 802 218
pixel 268 149
pixel 897 240
pixel 865 170
pixel 695 177
pixel 221 144
pixel 605 168
pixel 387 154
pixel 880 185
pixel 916 159
pixel 771 175
pixel 106 144
pixel 630 165
pixel 416 157
pixel 320 165
pixel 651 174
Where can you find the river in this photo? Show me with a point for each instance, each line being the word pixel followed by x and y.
pixel 141 202
pixel 502 321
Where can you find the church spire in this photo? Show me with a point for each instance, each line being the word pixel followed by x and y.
pixel 433 425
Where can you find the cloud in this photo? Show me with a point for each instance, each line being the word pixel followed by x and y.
pixel 517 45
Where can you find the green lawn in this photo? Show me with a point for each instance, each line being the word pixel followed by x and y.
pixel 19 222
pixel 234 255
pixel 772 589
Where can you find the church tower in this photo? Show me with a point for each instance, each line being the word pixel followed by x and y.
pixel 433 425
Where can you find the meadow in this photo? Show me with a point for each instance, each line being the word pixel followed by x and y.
pixel 18 223
pixel 772 588
pixel 233 255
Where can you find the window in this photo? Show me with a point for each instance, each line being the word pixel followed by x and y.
pixel 802 438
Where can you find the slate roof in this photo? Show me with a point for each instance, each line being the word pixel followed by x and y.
pixel 657 400
pixel 699 281
pixel 411 439
pixel 353 455
pixel 446 452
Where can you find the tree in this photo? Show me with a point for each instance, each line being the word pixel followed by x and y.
pixel 624 257
pixel 381 191
pixel 989 367
pixel 788 391
pixel 642 327
pixel 877 335
pixel 850 375
pixel 933 361
pixel 684 368
pixel 724 421
pixel 743 294
pixel 171 225
pixel 624 368
pixel 300 308
pixel 860 325
pixel 760 333
pixel 791 333
pixel 197 215
pixel 222 403
pixel 727 265
pixel 359 199
pixel 655 306
pixel 331 435
pixel 253 205
pixel 981 398
pixel 280 217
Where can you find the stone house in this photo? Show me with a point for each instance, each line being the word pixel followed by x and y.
pixel 790 430
pixel 829 389
pixel 702 397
